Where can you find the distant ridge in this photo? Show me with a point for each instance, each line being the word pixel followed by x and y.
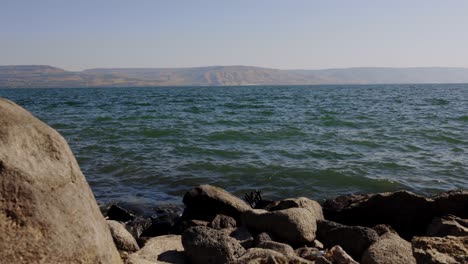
pixel 43 76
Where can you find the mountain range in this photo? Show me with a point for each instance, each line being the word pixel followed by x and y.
pixel 42 76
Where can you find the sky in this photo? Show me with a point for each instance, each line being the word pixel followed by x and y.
pixel 289 34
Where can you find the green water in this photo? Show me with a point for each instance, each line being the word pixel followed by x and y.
pixel 150 145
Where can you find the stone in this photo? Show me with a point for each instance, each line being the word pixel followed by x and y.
pixel 161 249
pixel 440 250
pixel 157 229
pixel 389 249
pixel 261 255
pixel 300 202
pixel 448 225
pixel 206 201
pixel 353 239
pixel 223 221
pixel 308 253
pixel 407 213
pixel 243 235
pixel 294 225
pixel 118 213
pixel 337 255
pixel 317 244
pixel 48 213
pixel 383 229
pixel 282 248
pixel 137 226
pixel 207 245
pixel 264 236
pixel 122 238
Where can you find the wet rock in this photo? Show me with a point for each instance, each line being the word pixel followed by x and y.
pixel 161 249
pixel 261 255
pixel 205 202
pixel 389 249
pixel 448 225
pixel 336 255
pixel 440 250
pixel 118 213
pixel 157 229
pixel 122 238
pixel 223 221
pixel 300 202
pixel 353 239
pixel 282 248
pixel 137 226
pixel 48 213
pixel 308 253
pixel 207 245
pixel 294 225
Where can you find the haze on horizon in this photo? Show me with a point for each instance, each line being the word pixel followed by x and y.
pixel 76 35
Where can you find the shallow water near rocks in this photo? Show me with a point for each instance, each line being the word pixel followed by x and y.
pixel 150 145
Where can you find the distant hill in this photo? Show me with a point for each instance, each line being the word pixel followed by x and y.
pixel 41 76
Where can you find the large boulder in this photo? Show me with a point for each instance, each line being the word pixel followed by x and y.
pixel 389 249
pixel 353 239
pixel 407 213
pixel 206 201
pixel 122 238
pixel 440 250
pixel 300 202
pixel 161 249
pixel 448 225
pixel 294 225
pixel 48 213
pixel 206 245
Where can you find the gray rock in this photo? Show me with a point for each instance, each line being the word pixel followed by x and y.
pixel 122 238
pixel 48 213
pixel 308 253
pixel 294 225
pixel 389 249
pixel 261 255
pixel 353 239
pixel 337 255
pixel 300 202
pixel 205 202
pixel 161 249
pixel 448 225
pixel 282 248
pixel 440 250
pixel 207 245
pixel 223 221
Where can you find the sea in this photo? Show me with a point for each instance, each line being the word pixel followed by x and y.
pixel 148 146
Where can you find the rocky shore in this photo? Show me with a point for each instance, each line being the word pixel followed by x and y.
pixel 48 214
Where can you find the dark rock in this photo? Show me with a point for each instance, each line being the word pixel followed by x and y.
pixel 243 235
pixel 118 213
pixel 294 225
pixel 223 221
pixel 262 237
pixel 325 226
pixel 142 241
pixel 158 229
pixel 308 253
pixel 440 250
pixel 205 202
pixel 282 248
pixel 48 213
pixel 137 226
pixel 389 249
pixel 353 239
pixel 322 260
pixel 122 238
pixel 207 245
pixel 448 225
pixel 407 213
pixel 300 202
pixel 382 229
pixel 337 255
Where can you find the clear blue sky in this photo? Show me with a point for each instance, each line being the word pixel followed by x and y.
pixel 285 34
